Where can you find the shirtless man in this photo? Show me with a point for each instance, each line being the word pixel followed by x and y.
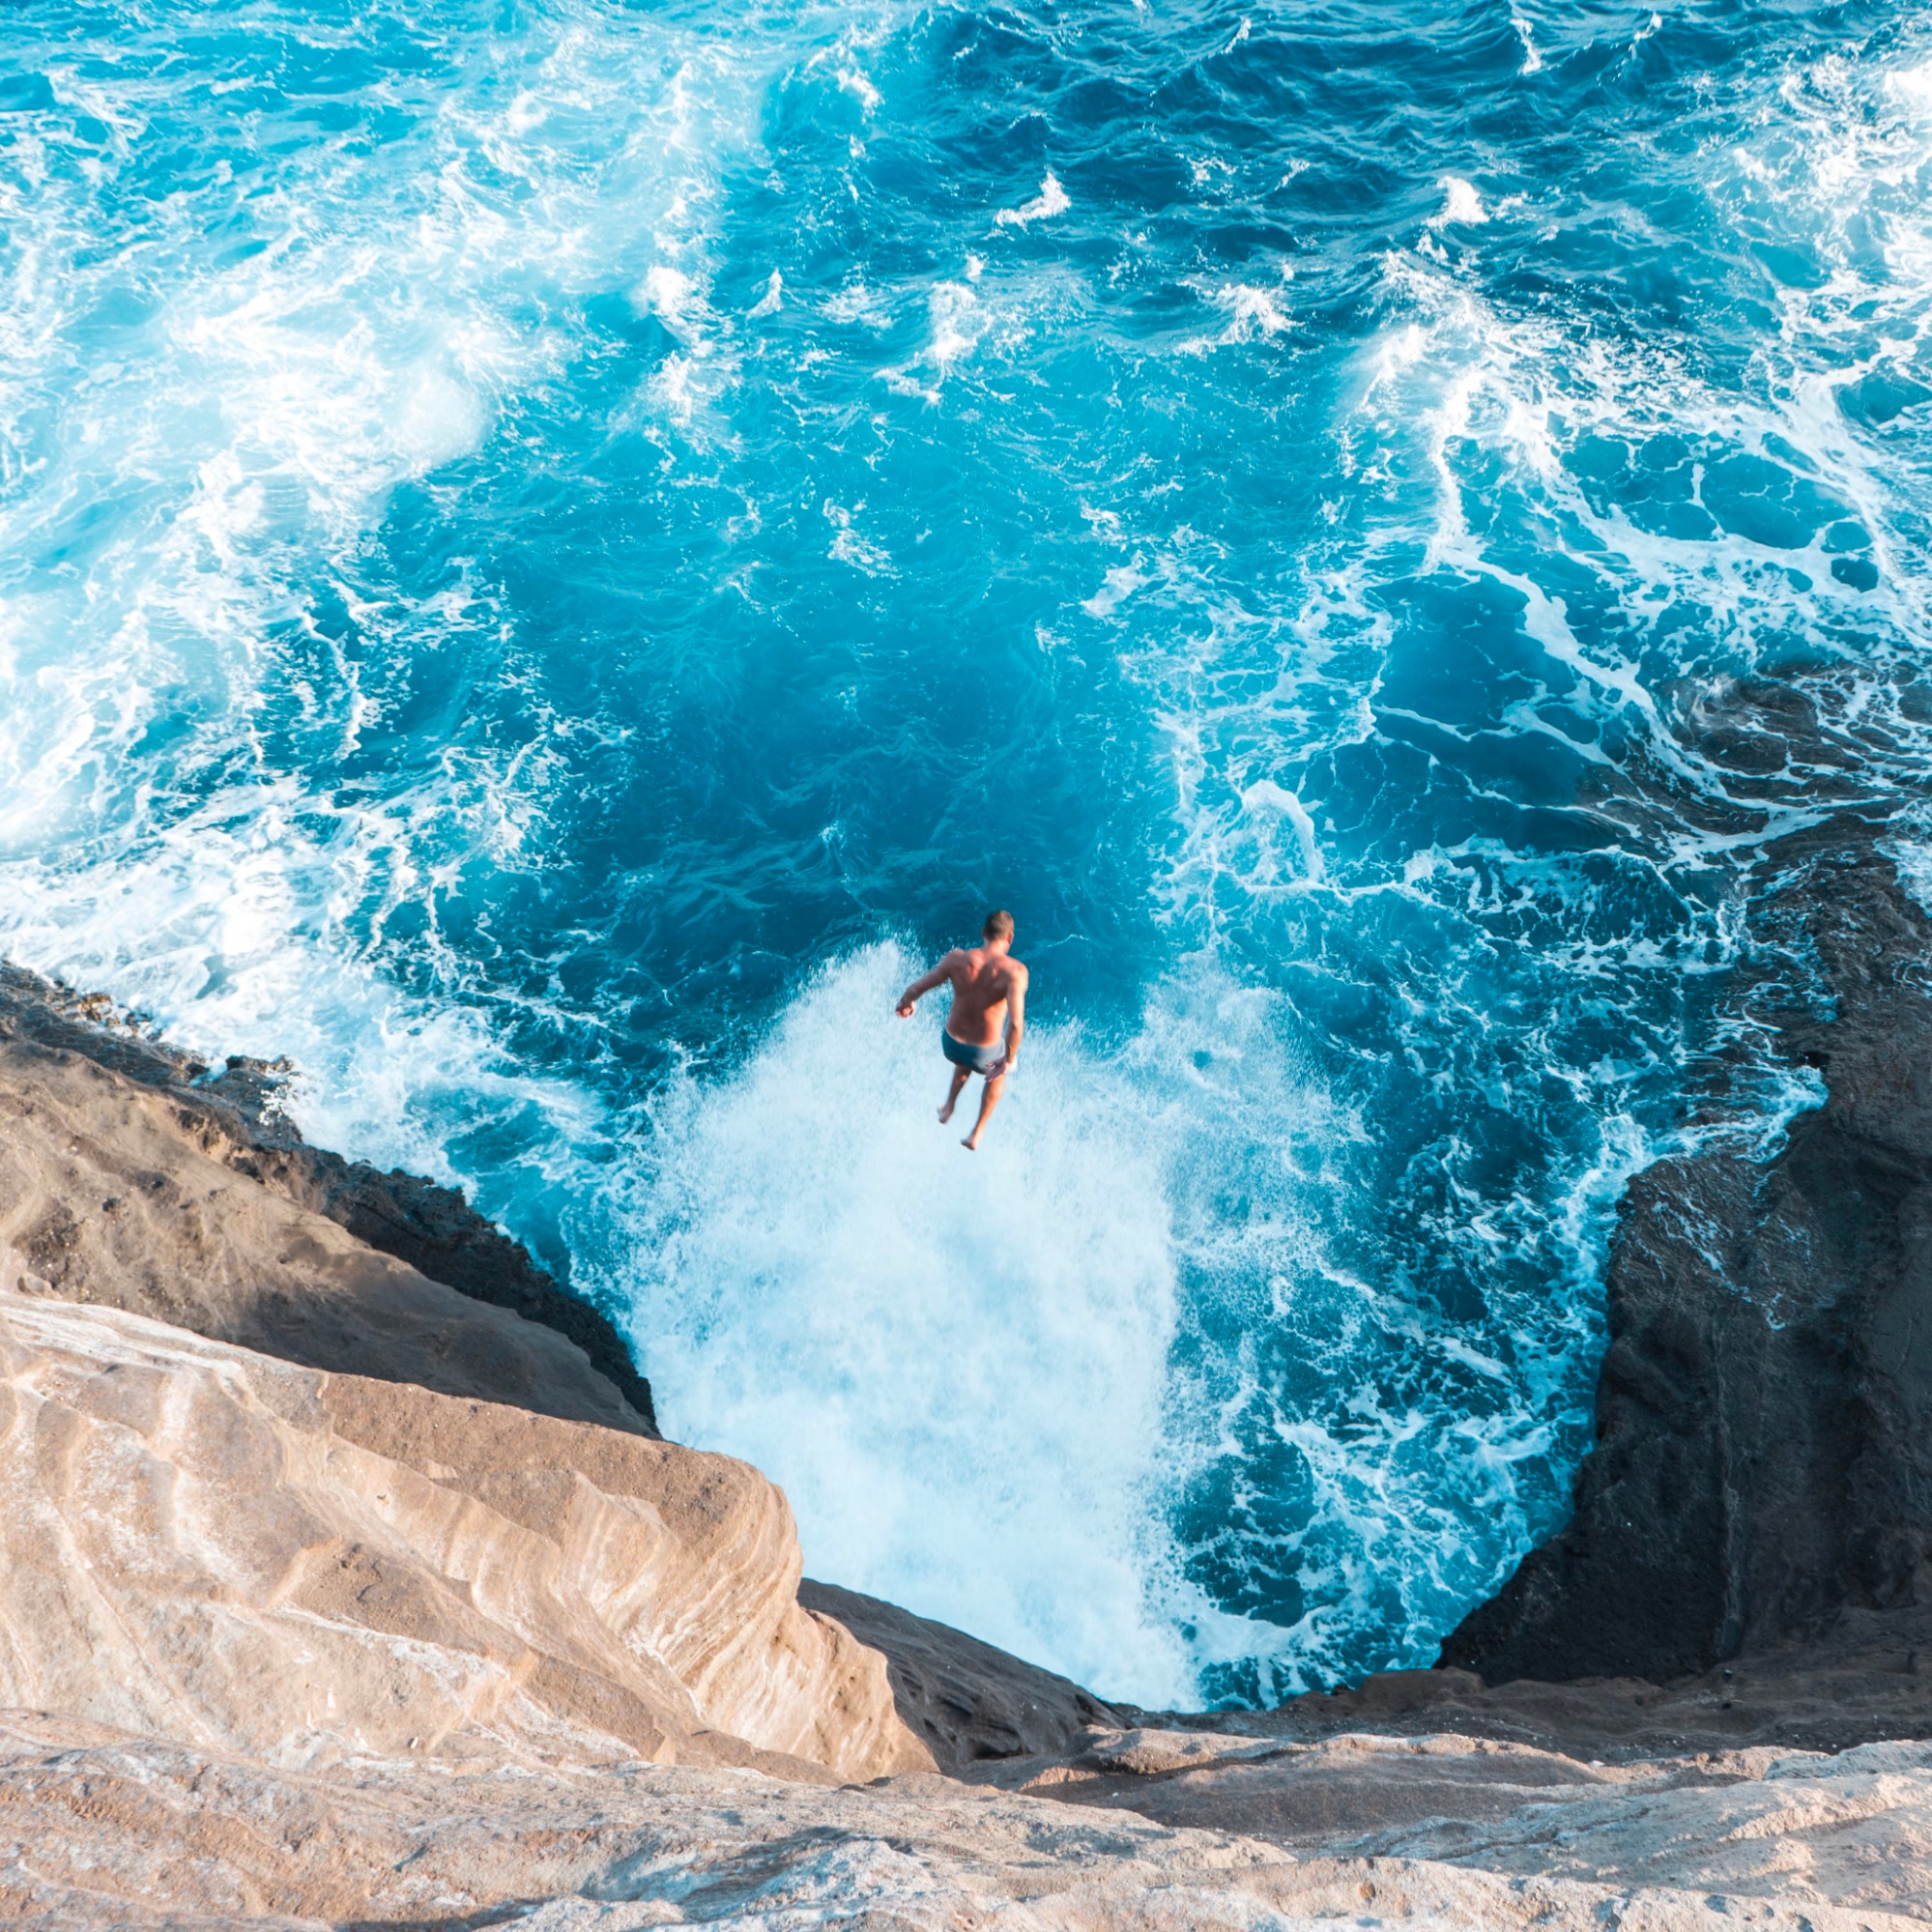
pixel 989 1008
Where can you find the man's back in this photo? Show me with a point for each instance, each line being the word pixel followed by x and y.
pixel 983 981
pixel 988 1018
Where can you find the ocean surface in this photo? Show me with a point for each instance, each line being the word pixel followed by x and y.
pixel 552 555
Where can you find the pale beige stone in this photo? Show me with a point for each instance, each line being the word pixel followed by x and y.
pixel 234 1552
pixel 99 1830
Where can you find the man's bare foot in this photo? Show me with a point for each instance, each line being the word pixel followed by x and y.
pixel 971 1143
pixel 945 1113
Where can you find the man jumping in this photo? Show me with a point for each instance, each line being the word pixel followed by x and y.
pixel 989 1008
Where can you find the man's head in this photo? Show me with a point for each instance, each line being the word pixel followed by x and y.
pixel 998 930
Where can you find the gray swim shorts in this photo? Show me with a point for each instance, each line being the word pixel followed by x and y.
pixel 974 1059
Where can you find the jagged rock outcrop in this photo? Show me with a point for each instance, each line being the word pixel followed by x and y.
pixel 233 1116
pixel 1764 1415
pixel 228 1551
pixel 969 1703
pixel 1868 1679
pixel 108 1194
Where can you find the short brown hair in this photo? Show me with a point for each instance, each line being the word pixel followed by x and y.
pixel 999 926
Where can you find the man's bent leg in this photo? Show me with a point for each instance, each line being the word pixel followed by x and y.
pixel 953 1098
pixel 989 1099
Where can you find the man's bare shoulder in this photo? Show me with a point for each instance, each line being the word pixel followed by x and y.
pixel 1016 972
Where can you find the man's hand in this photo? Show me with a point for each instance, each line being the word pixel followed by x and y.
pixel 925 984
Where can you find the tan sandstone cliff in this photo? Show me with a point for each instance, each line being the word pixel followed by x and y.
pixel 112 1190
pixel 207 1545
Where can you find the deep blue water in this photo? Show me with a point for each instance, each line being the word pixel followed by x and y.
pixel 550 554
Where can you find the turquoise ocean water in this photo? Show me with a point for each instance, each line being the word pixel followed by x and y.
pixel 550 554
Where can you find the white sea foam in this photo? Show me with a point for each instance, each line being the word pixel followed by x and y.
pixel 1116 587
pixel 1914 860
pixel 1461 206
pixel 1262 801
pixel 851 546
pixel 1526 395
pixel 852 81
pixel 1051 200
pixel 221 929
pixel 1253 314
pixel 956 321
pixel 955 1364
pixel 246 441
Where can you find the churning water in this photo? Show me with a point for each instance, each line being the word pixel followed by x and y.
pixel 551 553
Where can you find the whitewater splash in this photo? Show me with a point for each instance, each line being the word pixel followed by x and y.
pixel 511 540
pixel 906 1335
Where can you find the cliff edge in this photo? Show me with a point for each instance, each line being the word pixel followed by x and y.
pixel 134 1175
pixel 207 1544
pixel 337 1593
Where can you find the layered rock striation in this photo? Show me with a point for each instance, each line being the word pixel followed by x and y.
pixel 100 1830
pixel 81 1080
pixel 206 1544
pixel 123 1183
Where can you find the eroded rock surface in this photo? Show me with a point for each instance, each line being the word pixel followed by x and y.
pixel 100 1831
pixel 109 1195
pixel 1809 1831
pixel 232 1115
pixel 222 1549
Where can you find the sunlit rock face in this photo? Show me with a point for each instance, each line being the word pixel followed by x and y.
pixel 207 1545
pixel 102 1830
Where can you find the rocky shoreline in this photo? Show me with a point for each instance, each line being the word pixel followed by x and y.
pixel 337 1526
pixel 1763 1463
pixel 233 1116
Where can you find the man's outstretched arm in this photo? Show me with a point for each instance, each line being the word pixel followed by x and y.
pixel 1016 1020
pixel 924 985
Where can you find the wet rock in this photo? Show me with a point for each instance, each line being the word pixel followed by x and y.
pixel 1763 1463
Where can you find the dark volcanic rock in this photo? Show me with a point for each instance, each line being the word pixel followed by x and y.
pixel 235 1116
pixel 1763 1412
pixel 969 1704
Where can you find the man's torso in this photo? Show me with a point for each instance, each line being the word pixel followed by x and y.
pixel 982 984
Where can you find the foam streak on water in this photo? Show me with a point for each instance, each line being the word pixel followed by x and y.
pixel 547 557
